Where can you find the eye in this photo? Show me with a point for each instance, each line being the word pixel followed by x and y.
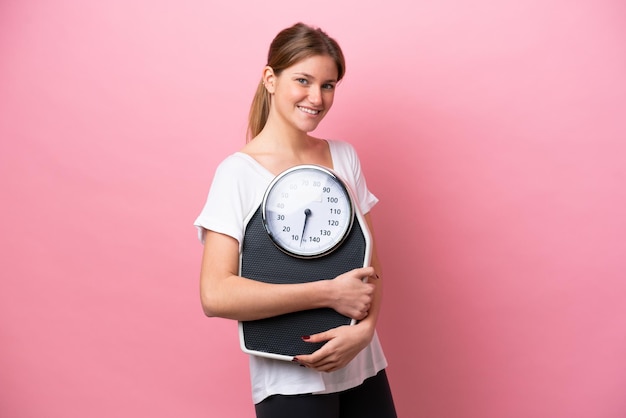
pixel 302 81
pixel 328 86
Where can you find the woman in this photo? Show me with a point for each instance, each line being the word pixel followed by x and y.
pixel 346 376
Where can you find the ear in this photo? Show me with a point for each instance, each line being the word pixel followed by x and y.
pixel 269 79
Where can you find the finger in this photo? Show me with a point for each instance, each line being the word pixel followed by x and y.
pixel 318 338
pixel 310 360
pixel 373 277
pixel 364 271
pixel 325 367
pixel 328 364
pixel 324 363
pixel 360 315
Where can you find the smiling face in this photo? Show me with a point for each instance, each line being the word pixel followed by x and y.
pixel 303 93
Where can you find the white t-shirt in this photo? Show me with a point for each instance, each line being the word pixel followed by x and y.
pixel 236 193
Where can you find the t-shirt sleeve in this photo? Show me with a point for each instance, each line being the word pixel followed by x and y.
pixel 352 167
pixel 223 211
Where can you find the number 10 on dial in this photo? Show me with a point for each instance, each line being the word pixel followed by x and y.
pixel 307 211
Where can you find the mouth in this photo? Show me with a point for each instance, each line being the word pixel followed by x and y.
pixel 310 111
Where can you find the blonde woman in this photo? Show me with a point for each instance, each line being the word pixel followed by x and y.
pixel 346 376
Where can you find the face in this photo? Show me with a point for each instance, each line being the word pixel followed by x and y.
pixel 303 93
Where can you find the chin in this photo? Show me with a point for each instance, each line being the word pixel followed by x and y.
pixel 309 127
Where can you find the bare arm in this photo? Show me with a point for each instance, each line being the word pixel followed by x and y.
pixel 226 294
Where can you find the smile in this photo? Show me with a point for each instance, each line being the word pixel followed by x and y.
pixel 309 111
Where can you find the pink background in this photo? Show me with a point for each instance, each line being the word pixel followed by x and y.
pixel 493 133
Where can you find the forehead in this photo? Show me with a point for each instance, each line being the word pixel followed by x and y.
pixel 319 66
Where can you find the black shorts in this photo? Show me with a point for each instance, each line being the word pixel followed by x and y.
pixel 371 399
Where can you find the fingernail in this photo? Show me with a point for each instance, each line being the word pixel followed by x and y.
pixel 306 337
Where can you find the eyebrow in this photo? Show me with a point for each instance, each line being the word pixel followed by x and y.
pixel 310 76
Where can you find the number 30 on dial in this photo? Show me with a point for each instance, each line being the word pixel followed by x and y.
pixel 307 211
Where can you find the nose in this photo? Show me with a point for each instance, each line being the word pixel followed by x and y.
pixel 315 95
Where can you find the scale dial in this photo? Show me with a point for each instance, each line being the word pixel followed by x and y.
pixel 307 211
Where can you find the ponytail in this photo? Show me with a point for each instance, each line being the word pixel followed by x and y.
pixel 259 111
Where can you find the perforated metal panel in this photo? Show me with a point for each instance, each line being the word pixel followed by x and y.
pixel 261 260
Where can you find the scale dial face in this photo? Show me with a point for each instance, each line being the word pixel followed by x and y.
pixel 307 211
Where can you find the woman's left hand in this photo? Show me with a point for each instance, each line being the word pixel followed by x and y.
pixel 343 344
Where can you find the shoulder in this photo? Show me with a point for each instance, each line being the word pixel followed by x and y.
pixel 234 163
pixel 239 167
pixel 240 177
pixel 344 156
pixel 341 147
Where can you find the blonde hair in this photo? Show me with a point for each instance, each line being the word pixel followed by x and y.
pixel 290 46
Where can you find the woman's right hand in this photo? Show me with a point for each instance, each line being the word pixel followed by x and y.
pixel 351 294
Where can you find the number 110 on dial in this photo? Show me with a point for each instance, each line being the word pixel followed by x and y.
pixel 307 211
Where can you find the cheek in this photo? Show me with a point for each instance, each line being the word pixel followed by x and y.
pixel 293 95
pixel 329 98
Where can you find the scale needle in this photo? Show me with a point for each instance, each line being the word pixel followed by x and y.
pixel 307 213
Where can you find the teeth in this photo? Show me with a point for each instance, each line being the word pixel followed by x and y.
pixel 309 111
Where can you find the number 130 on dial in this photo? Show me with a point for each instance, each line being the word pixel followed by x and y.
pixel 307 211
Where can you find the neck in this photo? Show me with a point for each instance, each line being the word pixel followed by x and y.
pixel 285 137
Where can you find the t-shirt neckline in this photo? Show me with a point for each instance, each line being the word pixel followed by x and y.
pixel 251 159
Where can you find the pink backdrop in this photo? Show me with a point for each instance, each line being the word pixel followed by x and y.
pixel 493 132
